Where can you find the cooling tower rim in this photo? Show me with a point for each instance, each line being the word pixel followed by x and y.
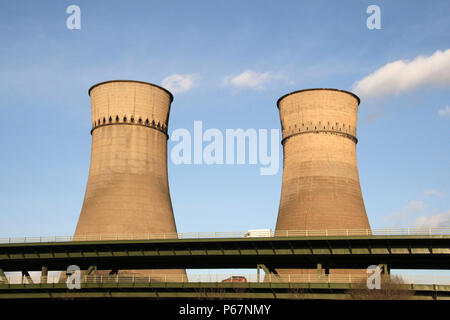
pixel 135 81
pixel 313 89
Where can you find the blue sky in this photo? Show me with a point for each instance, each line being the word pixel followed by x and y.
pixel 46 70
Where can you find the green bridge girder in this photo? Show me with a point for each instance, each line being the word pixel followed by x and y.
pixel 209 290
pixel 332 252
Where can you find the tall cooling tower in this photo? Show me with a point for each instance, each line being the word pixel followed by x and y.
pixel 320 188
pixel 127 191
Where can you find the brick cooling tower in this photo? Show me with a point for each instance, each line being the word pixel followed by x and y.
pixel 320 188
pixel 127 191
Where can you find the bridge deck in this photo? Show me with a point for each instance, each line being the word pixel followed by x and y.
pixel 200 290
pixel 398 252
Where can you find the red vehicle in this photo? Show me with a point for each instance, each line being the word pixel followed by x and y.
pixel 235 279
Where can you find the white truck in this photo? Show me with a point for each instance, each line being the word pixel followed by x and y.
pixel 258 233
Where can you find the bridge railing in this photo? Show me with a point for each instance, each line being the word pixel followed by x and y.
pixel 236 234
pixel 221 278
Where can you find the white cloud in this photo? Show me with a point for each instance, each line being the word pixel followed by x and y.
pixel 433 192
pixel 403 75
pixel 444 112
pixel 435 221
pixel 178 83
pixel 249 79
pixel 412 208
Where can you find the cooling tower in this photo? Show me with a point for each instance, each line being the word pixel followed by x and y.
pixel 320 188
pixel 127 191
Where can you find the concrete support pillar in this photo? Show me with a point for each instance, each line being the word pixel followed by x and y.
pixel 114 272
pixel 44 275
pixel 3 277
pixel 92 270
pixel 27 276
pixel 384 269
pixel 268 271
